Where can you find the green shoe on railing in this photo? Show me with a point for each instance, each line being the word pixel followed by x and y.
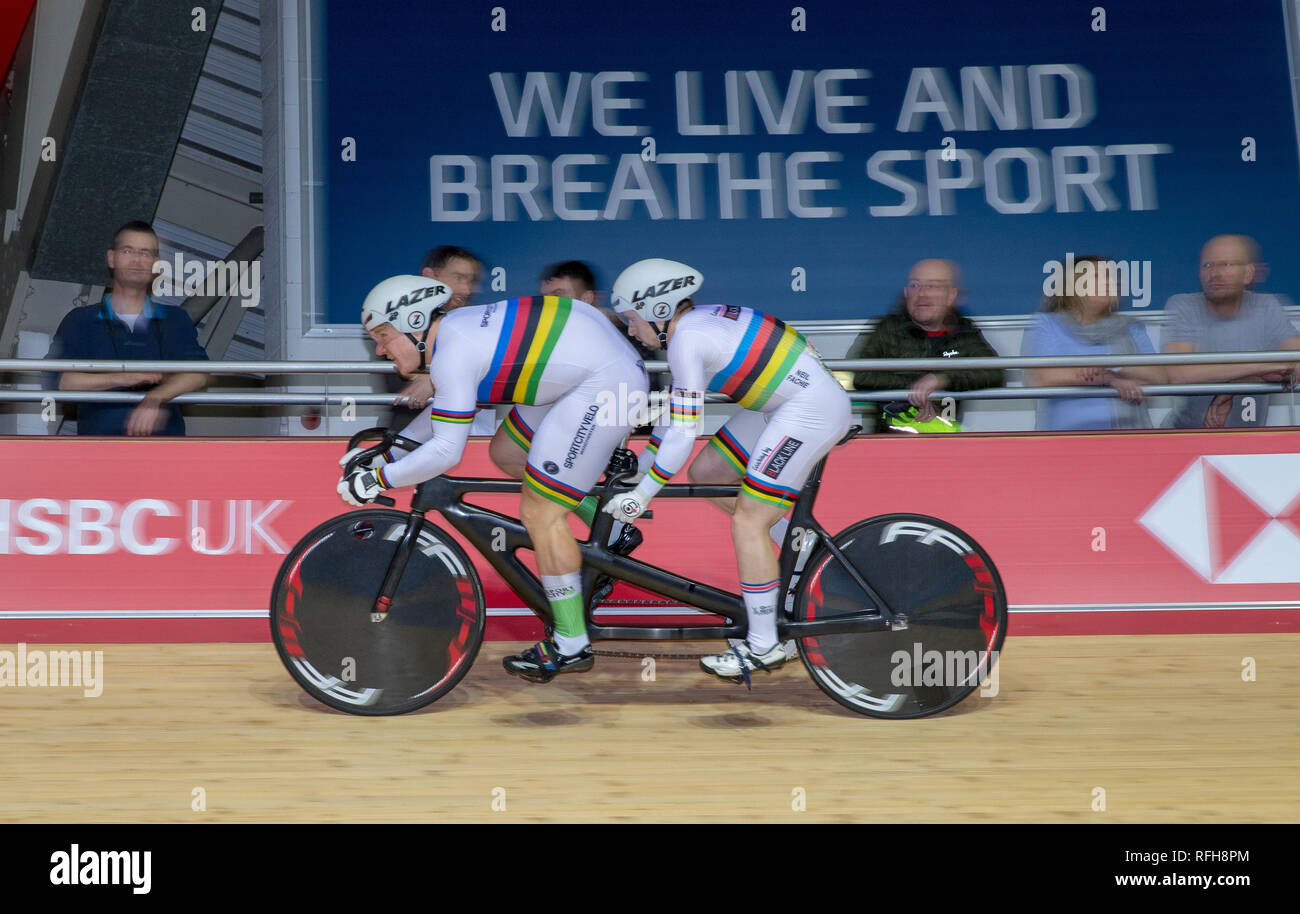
pixel 905 420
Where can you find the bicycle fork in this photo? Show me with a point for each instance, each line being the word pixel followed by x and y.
pixel 405 546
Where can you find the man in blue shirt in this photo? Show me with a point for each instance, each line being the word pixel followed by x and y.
pixel 128 326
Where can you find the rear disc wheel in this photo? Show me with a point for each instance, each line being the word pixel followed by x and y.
pixel 936 577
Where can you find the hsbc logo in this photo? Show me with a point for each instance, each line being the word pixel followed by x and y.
pixel 1233 518
pixel 91 526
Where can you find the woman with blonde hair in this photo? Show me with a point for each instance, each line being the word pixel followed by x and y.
pixel 1083 320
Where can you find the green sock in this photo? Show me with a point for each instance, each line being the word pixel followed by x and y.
pixel 587 509
pixel 565 595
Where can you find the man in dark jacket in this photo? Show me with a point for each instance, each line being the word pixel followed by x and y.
pixel 926 325
pixel 127 325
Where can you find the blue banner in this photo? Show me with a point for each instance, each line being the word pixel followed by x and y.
pixel 803 157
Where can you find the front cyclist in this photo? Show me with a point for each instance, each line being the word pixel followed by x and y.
pixel 552 356
pixel 794 413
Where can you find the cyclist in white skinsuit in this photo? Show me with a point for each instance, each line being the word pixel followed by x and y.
pixel 794 413
pixel 553 358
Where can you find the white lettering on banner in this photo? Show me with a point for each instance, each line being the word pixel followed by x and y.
pixel 564 187
pixel 941 182
pixel 130 535
pixel 521 112
pixel 88 526
pixel 689 100
pixel 444 186
pixel 797 185
pixel 526 189
pixel 235 530
pixel 637 179
pixel 793 108
pixel 254 525
pixel 1041 97
pixel 828 102
pixel 27 517
pixel 690 192
pixel 198 522
pixel 980 83
pixel 997 181
pixel 604 101
pixel 929 91
pixel 1078 178
pixel 79 525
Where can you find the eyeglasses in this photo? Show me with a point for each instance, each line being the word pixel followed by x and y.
pixel 915 286
pixel 1210 265
pixel 151 253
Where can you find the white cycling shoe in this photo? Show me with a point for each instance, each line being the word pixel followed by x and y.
pixel 737 663
pixel 791 649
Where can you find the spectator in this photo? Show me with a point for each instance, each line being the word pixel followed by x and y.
pixel 460 270
pixel 1079 324
pixel 926 324
pixel 129 326
pixel 574 279
pixel 1227 316
pixel 571 279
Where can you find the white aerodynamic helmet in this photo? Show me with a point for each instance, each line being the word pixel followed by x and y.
pixel 409 303
pixel 654 288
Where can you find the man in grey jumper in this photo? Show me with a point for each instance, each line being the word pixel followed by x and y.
pixel 1227 316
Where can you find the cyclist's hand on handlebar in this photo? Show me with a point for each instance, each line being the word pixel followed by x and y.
pixel 373 463
pixel 627 506
pixel 360 487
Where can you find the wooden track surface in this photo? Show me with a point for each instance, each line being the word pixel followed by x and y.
pixel 1165 725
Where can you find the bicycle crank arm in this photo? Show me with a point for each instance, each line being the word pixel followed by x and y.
pixel 853 623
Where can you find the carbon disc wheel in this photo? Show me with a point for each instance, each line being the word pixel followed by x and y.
pixel 321 615
pixel 938 579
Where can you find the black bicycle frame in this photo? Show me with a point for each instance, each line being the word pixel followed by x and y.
pixel 497 537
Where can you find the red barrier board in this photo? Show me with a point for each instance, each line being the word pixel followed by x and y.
pixel 179 539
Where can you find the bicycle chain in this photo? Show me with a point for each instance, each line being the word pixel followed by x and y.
pixel 637 655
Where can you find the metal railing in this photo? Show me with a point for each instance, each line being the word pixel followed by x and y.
pixel 887 365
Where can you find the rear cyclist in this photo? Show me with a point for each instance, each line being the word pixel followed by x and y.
pixel 552 357
pixel 794 413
